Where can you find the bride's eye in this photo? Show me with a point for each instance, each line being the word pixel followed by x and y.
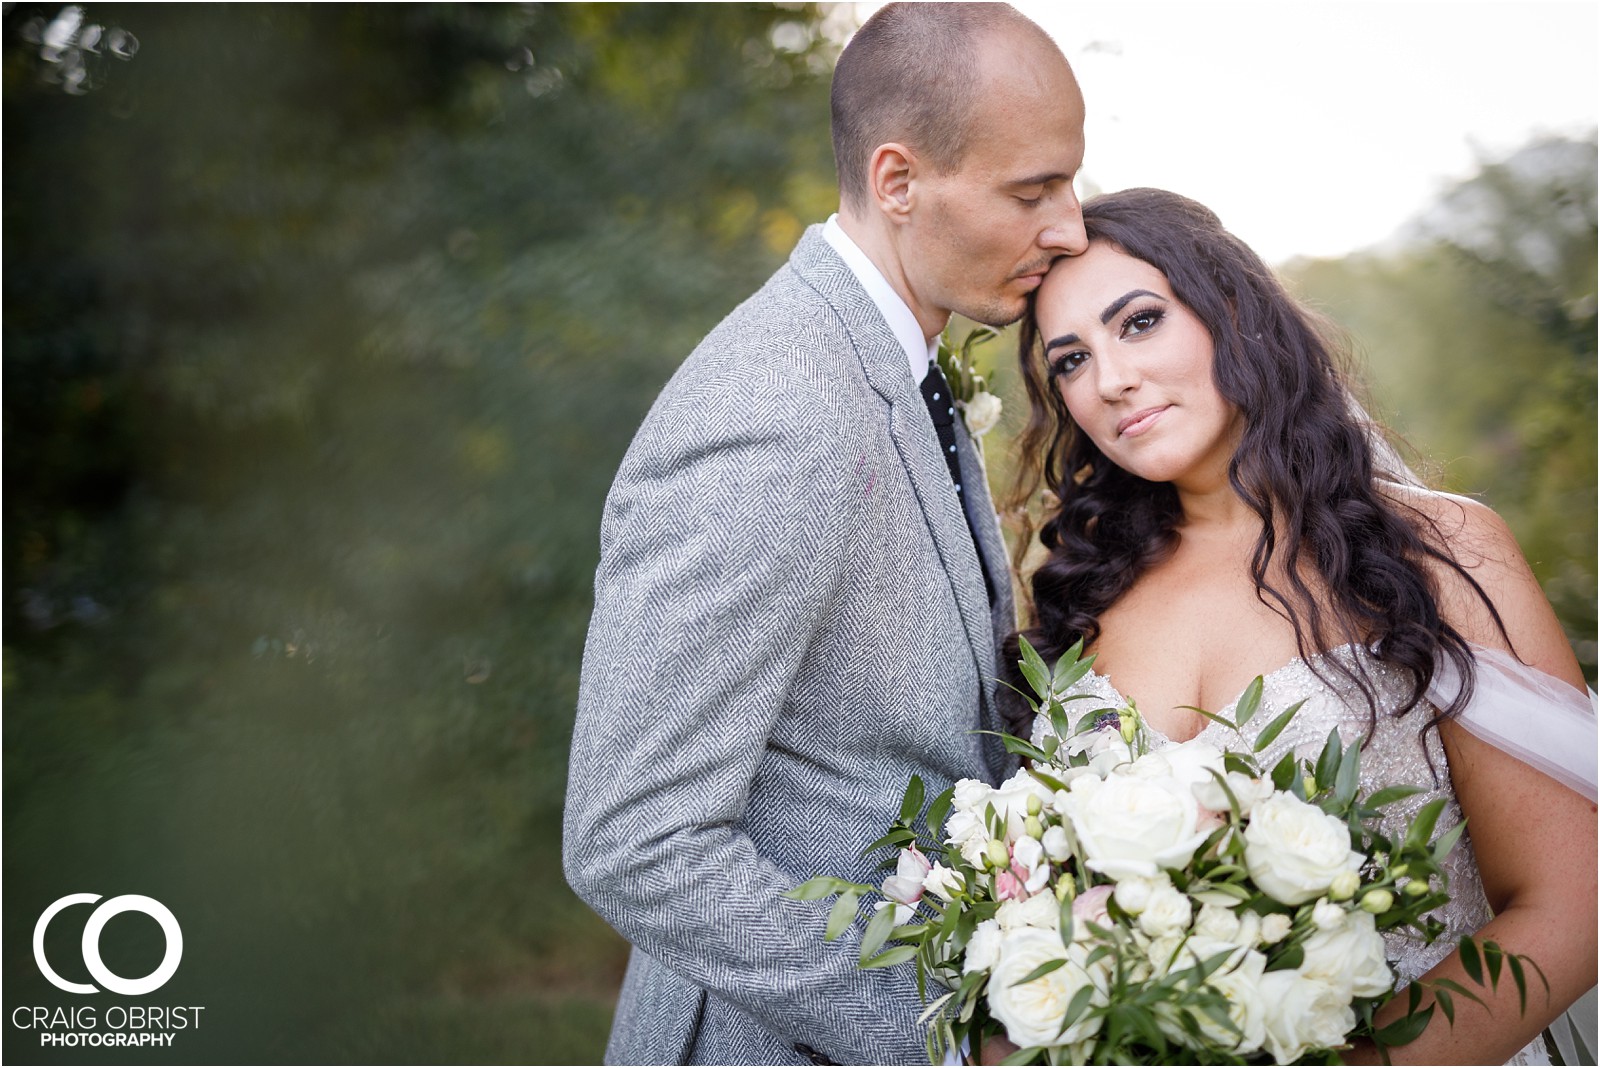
pixel 1066 363
pixel 1141 322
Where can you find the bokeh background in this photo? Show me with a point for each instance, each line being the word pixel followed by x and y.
pixel 325 328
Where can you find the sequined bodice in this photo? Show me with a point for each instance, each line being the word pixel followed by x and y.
pixel 1399 753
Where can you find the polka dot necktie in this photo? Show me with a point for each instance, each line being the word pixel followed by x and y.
pixel 942 409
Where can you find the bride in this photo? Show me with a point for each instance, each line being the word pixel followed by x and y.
pixel 1222 510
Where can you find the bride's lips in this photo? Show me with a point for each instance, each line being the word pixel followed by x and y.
pixel 1140 421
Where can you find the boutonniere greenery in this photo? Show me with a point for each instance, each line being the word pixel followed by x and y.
pixel 979 408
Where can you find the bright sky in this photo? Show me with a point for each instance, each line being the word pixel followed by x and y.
pixel 1316 127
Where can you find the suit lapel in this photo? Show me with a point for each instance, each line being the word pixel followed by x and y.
pixel 884 363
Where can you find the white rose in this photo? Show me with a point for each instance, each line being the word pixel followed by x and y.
pixel 1130 826
pixel 1326 916
pixel 1057 845
pixel 965 831
pixel 983 948
pixel 1031 1012
pixel 971 795
pixel 1294 850
pixel 1217 922
pixel 1303 1014
pixel 1247 1009
pixel 1040 910
pixel 1167 912
pixel 982 413
pixel 1246 791
pixel 1192 762
pixel 1011 801
pixel 942 882
pixel 1349 954
pixel 1133 893
pixel 1275 927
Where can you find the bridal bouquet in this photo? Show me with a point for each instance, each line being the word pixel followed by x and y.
pixel 1111 903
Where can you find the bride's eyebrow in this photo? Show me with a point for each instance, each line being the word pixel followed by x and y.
pixel 1122 302
pixel 1064 339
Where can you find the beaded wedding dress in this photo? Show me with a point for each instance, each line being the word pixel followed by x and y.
pixel 1398 754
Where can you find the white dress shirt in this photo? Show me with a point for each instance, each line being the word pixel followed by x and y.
pixel 919 350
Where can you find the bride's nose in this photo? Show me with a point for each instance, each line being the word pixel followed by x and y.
pixel 1115 375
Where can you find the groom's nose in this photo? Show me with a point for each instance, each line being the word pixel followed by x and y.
pixel 1065 232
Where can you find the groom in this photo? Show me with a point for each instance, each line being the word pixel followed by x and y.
pixel 801 582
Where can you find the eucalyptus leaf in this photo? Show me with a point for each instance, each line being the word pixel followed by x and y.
pixel 1275 728
pixel 877 932
pixel 939 809
pixel 1041 971
pixel 1389 795
pixel 889 958
pixel 1329 759
pixel 1404 1030
pixel 911 802
pixel 1422 827
pixel 1249 701
pixel 842 915
pixel 1348 780
pixel 1471 962
pixel 1026 1055
pixel 1447 841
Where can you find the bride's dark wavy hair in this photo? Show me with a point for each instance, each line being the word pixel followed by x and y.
pixel 1304 464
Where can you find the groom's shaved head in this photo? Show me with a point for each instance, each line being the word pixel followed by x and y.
pixel 913 74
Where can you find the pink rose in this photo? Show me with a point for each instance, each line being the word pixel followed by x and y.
pixel 1090 906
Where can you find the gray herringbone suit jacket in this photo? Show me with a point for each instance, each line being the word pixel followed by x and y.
pixel 789 622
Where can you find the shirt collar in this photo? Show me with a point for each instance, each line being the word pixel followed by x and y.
pixel 919 350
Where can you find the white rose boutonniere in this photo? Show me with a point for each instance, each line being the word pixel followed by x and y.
pixel 979 408
pixel 982 413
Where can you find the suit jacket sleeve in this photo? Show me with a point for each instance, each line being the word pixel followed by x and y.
pixel 724 541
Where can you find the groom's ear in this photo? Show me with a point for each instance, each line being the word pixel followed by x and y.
pixel 889 177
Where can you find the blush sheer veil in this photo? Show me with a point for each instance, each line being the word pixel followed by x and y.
pixel 1543 721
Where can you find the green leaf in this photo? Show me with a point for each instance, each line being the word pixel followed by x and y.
pixel 1292 957
pixel 1049 780
pixel 1065 927
pixel 842 915
pixel 1328 760
pixel 1275 728
pixel 1076 1007
pixel 1042 970
pixel 1389 795
pixel 1284 772
pixel 1446 1005
pixel 939 809
pixel 877 932
pixel 1248 702
pixel 1038 678
pixel 1493 957
pixel 896 836
pixel 1348 780
pixel 1447 841
pixel 889 958
pixel 1026 1055
pixel 1017 746
pixel 911 803
pixel 1404 1030
pixel 1422 827
pixel 1470 959
pixel 1212 716
pixel 817 889
pixel 1514 962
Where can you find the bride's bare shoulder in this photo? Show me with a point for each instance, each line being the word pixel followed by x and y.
pixel 1478 541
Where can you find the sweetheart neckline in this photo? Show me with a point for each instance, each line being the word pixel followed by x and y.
pixel 1105 677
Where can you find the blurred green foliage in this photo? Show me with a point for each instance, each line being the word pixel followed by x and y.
pixel 1477 333
pixel 325 328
